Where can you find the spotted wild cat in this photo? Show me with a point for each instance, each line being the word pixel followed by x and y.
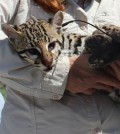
pixel 40 42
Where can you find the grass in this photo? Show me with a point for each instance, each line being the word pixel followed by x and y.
pixel 3 90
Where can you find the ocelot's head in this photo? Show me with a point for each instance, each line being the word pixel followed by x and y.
pixel 37 41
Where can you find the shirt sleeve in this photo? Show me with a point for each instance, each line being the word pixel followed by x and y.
pixel 55 80
pixel 8 10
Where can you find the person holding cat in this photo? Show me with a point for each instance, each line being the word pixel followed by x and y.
pixel 71 105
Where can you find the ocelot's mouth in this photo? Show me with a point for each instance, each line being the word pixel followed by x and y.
pixel 47 62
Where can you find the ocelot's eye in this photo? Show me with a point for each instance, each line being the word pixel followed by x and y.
pixel 34 51
pixel 51 46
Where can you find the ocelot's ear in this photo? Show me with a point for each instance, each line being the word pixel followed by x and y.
pixel 11 32
pixel 57 21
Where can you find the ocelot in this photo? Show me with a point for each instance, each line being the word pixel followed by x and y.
pixel 40 42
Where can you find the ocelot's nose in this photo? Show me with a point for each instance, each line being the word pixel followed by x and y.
pixel 48 63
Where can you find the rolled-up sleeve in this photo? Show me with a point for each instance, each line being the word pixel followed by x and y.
pixel 55 80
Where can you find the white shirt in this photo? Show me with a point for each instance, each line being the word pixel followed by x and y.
pixel 1 105
pixel 29 108
pixel 18 74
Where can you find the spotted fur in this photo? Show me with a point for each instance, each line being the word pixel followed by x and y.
pixel 40 42
pixel 104 48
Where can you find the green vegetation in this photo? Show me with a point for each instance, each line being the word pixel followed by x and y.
pixel 3 90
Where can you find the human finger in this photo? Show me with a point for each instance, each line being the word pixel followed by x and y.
pixel 100 86
pixel 110 80
pixel 113 68
pixel 89 91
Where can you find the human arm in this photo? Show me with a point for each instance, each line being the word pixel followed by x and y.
pixel 113 69
pixel 83 79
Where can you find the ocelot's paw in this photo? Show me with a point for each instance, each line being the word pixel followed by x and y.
pixel 104 49
pixel 100 48
pixel 115 95
pixel 102 57
pixel 97 60
pixel 97 41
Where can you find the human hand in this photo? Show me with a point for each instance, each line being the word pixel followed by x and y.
pixel 113 69
pixel 83 79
